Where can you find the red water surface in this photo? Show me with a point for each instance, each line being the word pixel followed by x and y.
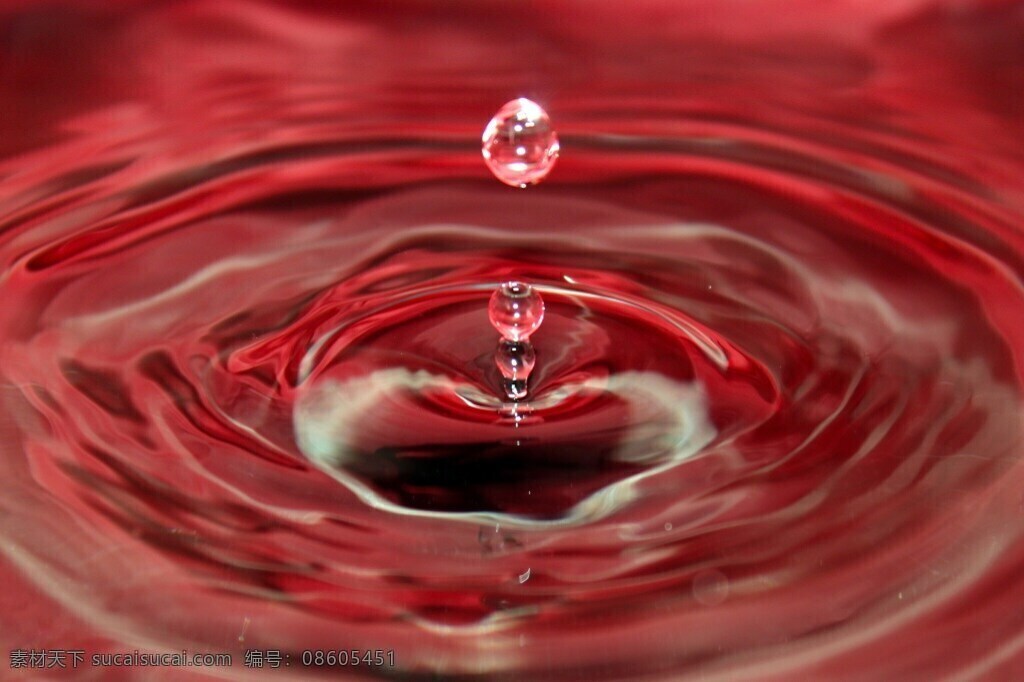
pixel 248 381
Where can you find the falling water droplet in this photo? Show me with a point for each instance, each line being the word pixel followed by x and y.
pixel 516 310
pixel 519 144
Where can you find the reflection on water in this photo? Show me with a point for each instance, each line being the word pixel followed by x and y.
pixel 250 394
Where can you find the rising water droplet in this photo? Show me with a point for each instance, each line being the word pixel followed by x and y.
pixel 519 144
pixel 515 359
pixel 516 310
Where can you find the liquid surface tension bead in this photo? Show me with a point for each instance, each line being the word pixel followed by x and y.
pixel 515 359
pixel 516 310
pixel 519 144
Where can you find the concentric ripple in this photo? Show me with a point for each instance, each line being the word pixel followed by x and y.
pixel 774 428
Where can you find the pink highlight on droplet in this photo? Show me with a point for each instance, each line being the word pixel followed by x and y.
pixel 519 144
pixel 516 310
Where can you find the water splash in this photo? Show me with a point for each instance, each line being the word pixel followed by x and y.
pixel 516 310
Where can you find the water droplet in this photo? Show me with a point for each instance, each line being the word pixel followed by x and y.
pixel 519 144
pixel 515 359
pixel 516 310
pixel 523 577
pixel 515 389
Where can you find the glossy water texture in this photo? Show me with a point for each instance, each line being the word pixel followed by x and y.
pixel 248 379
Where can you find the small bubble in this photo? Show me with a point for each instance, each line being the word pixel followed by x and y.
pixel 710 587
pixel 519 144
pixel 516 310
